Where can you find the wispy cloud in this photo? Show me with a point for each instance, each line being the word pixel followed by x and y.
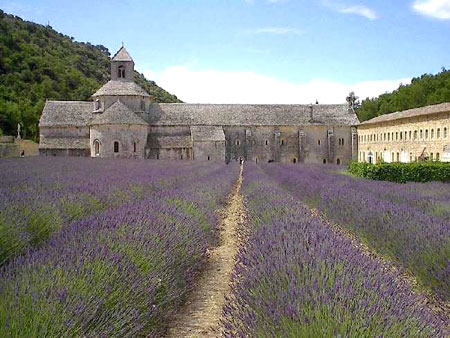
pixel 275 31
pixel 360 10
pixel 438 9
pixel 216 86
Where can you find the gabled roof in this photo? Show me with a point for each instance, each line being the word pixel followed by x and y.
pixel 207 133
pixel 122 55
pixel 120 88
pixel 167 142
pixel 433 109
pixel 64 143
pixel 169 114
pixel 66 113
pixel 118 113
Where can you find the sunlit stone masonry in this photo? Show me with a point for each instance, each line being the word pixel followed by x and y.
pixel 122 121
pixel 407 136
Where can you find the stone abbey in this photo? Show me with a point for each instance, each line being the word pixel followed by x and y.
pixel 123 122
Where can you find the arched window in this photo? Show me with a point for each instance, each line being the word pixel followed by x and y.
pixel 438 133
pixel 282 142
pixel 445 132
pixel 426 134
pixel 338 161
pixel 134 146
pixel 121 72
pixel 97 104
pixel 318 142
pixel 97 148
pixel 209 158
pixel 116 146
pixel 324 161
pixel 294 160
pixel 238 143
pixel 267 142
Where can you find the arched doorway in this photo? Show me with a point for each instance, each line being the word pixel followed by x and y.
pixel 294 160
pixel 370 157
pixel 338 161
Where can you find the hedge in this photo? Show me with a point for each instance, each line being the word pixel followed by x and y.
pixel 403 172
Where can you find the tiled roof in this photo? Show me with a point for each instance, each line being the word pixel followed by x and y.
pixel 64 143
pixel 66 113
pixel 118 113
pixel 434 109
pixel 167 142
pixel 122 55
pixel 207 133
pixel 248 115
pixel 120 88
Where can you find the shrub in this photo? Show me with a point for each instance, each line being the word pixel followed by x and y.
pixel 403 172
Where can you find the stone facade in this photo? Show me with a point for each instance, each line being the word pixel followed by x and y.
pixel 422 133
pixel 123 122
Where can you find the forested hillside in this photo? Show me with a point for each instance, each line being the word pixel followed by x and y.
pixel 38 63
pixel 425 90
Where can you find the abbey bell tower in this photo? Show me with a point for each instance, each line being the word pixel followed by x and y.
pixel 122 66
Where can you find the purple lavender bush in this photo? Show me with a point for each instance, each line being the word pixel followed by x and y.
pixel 39 196
pixel 384 215
pixel 296 277
pixel 122 272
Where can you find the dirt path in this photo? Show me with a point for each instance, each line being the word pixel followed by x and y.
pixel 200 317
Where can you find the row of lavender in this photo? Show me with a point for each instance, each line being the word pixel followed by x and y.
pixel 386 217
pixel 119 273
pixel 38 197
pixel 297 278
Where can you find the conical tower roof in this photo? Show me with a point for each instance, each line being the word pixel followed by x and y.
pixel 122 55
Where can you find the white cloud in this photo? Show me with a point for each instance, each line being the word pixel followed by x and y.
pixel 275 31
pixel 361 10
pixel 439 9
pixel 214 86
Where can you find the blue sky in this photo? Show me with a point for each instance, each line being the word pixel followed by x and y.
pixel 262 51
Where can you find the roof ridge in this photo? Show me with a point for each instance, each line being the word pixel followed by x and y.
pixel 122 55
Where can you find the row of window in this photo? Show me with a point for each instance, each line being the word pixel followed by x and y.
pixel 116 147
pixel 283 142
pixel 405 135
pixel 395 157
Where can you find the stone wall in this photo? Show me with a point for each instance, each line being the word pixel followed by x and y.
pixel 64 152
pixel 405 140
pixel 289 144
pixel 131 140
pixel 209 151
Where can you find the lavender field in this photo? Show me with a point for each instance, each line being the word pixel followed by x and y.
pixel 408 223
pixel 296 277
pixel 105 248
pixel 113 248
